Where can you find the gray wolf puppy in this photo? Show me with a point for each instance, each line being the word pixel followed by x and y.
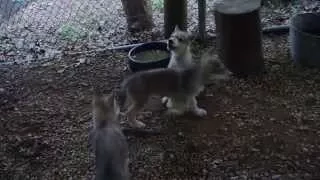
pixel 182 85
pixel 179 46
pixel 109 143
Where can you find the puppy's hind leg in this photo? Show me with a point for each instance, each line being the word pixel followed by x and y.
pixel 175 106
pixel 193 105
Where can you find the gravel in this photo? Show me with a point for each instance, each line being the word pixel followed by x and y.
pixel 256 128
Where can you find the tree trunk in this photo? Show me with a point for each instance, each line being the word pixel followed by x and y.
pixel 175 13
pixel 239 39
pixel 138 14
pixel 202 18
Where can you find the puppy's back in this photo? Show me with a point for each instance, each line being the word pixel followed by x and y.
pixel 152 81
pixel 110 145
pixel 111 154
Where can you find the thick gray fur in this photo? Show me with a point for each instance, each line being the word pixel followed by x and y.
pixel 109 144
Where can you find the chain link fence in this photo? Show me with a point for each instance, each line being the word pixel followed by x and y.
pixel 32 30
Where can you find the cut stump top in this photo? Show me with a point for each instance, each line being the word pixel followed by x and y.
pixel 237 6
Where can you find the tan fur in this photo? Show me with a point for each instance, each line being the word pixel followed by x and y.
pixel 179 45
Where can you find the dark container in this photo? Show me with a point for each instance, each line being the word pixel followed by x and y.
pixel 136 65
pixel 304 39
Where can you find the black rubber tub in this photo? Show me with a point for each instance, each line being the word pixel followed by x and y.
pixel 136 65
pixel 304 39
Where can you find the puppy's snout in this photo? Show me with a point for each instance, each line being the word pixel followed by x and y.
pixel 229 73
pixel 170 45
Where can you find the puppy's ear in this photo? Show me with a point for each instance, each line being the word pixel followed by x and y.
pixel 176 28
pixel 108 100
pixel 190 37
pixel 96 100
pixel 113 103
pixel 116 106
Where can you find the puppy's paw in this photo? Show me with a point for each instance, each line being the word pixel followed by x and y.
pixel 201 89
pixel 164 100
pixel 137 124
pixel 174 112
pixel 200 112
pixel 169 104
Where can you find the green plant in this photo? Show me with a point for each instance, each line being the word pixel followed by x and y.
pixel 157 4
pixel 70 32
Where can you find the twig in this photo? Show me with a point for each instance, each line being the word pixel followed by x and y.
pixel 140 132
pixel 103 50
pixel 281 29
pixel 273 29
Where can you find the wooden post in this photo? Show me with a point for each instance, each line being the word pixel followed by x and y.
pixel 239 34
pixel 175 13
pixel 202 18
pixel 138 14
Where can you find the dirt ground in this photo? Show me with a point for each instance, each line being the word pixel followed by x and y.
pixel 256 128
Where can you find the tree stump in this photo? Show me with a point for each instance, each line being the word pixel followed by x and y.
pixel 138 14
pixel 239 32
pixel 175 13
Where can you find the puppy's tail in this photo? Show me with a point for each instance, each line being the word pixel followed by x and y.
pixel 205 59
pixel 204 65
pixel 122 95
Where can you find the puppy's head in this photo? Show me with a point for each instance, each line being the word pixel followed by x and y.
pixel 105 109
pixel 179 41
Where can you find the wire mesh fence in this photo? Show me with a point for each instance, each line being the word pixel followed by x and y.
pixel 43 29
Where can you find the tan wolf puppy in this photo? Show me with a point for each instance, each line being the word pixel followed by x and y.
pixel 179 45
pixel 179 84
pixel 109 143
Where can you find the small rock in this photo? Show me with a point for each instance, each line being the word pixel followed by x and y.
pixel 180 169
pixel 204 171
pixel 171 156
pixel 272 119
pixel 84 84
pixel 276 176
pixel 141 170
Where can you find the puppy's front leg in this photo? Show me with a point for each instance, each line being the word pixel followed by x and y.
pixel 164 100
pixel 193 105
pixel 132 112
pixel 201 89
